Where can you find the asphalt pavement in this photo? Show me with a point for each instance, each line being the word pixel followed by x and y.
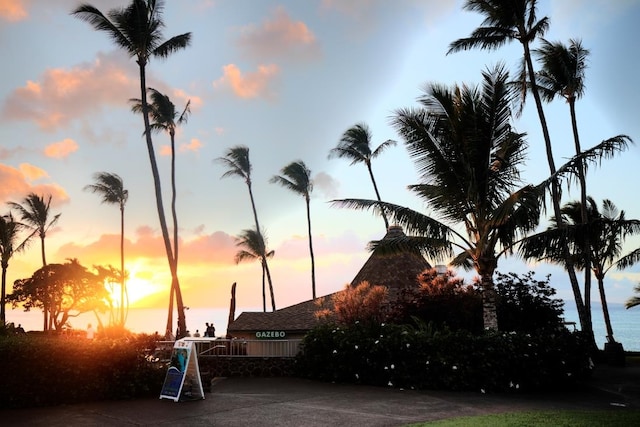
pixel 300 402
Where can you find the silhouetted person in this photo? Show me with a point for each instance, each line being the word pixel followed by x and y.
pixel 20 329
pixel 90 332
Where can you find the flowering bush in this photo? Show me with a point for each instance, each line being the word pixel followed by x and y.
pixel 425 357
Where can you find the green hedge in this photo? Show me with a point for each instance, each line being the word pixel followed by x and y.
pixel 50 370
pixel 429 358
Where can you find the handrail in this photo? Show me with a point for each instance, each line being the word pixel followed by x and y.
pixel 219 347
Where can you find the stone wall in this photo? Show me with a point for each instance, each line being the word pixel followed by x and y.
pixel 221 366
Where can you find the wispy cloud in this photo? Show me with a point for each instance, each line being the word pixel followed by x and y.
pixel 17 183
pixel 13 10
pixel 60 95
pixel 279 36
pixel 61 149
pixel 249 85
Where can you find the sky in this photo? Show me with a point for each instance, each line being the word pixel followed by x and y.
pixel 286 79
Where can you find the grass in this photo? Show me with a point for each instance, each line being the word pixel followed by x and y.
pixel 609 418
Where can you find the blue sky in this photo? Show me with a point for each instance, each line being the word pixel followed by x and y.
pixel 285 78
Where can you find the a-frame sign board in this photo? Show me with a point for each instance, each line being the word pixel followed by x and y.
pixel 182 381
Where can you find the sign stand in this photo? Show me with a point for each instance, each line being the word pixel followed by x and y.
pixel 182 381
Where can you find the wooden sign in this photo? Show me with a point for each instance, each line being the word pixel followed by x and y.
pixel 182 381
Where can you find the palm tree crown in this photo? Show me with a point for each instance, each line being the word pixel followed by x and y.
pixel 111 188
pixel 254 246
pixel 296 177
pixel 355 145
pixel 10 229
pixel 462 142
pixel 34 210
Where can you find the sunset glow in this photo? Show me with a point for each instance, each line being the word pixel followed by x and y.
pixel 286 79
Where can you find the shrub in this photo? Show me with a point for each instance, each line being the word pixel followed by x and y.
pixel 49 370
pixel 426 357
pixel 526 305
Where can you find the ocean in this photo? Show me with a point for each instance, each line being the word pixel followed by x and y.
pixel 625 323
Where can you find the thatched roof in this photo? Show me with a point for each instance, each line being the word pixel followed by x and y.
pixel 296 318
pixel 395 271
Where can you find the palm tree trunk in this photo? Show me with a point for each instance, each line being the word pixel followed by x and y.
pixel 605 309
pixel 313 265
pixel 266 269
pixel 45 304
pixel 583 310
pixel 583 205
pixel 175 231
pixel 3 318
pixel 122 275
pixel 182 324
pixel 264 290
pixel 375 187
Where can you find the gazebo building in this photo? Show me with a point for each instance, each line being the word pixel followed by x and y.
pixel 395 271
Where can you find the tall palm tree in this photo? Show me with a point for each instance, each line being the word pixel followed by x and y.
pixel 236 159
pixel 254 247
pixel 166 118
pixel 506 21
pixel 562 75
pixel 137 29
pixel 355 145
pixel 605 231
pixel 9 246
pixel 297 178
pixel 111 188
pixel 462 142
pixel 34 211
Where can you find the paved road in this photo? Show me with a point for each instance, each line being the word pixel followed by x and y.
pixel 298 402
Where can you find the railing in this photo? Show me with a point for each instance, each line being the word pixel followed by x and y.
pixel 243 348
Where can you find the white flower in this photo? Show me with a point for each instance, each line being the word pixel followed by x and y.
pixel 382 324
pixel 393 366
pixel 335 351
pixel 454 367
pixel 427 362
pixel 482 391
pixel 517 386
pixel 386 368
pixel 510 384
pixel 377 342
pixel 356 346
pixel 357 376
pixel 390 384
pixel 408 345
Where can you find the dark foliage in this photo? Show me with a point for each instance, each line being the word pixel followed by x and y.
pixel 425 357
pixel 525 304
pixel 50 370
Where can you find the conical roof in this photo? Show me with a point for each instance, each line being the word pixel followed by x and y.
pixel 395 271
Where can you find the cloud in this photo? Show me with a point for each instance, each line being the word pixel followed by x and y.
pixel 13 10
pixel 17 183
pixel 326 185
pixel 183 97
pixel 250 85
pixel 61 149
pixel 279 37
pixel 60 95
pixel 6 153
pixel 195 145
pixel 32 172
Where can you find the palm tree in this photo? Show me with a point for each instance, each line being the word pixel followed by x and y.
pixel 605 232
pixel 297 178
pixel 137 29
pixel 634 301
pixel 236 159
pixel 9 246
pixel 35 213
pixel 462 142
pixel 505 21
pixel 165 118
pixel 355 145
pixel 254 247
pixel 111 188
pixel 563 74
